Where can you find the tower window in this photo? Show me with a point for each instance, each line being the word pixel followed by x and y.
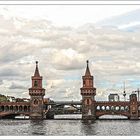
pixel 35 84
pixel 87 101
pixel 35 101
pixel 84 83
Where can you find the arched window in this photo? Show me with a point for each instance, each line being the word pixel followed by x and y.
pixel 98 107
pixel 35 84
pixel 25 108
pixel 11 108
pixel 35 101
pixel 2 108
pixel 84 83
pixel 87 101
pixel 20 108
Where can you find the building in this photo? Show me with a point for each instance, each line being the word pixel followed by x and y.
pixel 113 97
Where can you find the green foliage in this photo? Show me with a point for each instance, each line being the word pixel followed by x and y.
pixel 3 98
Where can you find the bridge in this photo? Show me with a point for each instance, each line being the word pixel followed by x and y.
pixel 38 107
pixel 112 108
pixel 64 103
pixel 12 109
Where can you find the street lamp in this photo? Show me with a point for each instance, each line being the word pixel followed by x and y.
pixel 124 94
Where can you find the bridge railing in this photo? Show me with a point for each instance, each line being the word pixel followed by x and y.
pixel 64 103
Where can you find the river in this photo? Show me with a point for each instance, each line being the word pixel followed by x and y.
pixel 69 128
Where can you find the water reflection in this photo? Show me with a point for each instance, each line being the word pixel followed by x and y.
pixel 70 127
pixel 37 127
pixel 88 127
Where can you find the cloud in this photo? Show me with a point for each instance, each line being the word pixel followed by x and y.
pixel 67 59
pixel 16 86
pixel 123 19
pixel 62 53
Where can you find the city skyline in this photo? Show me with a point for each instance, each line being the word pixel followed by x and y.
pixel 63 46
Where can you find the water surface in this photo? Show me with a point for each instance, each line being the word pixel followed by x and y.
pixel 69 128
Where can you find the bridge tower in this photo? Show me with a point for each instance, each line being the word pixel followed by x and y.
pixel 88 92
pixel 133 107
pixel 36 93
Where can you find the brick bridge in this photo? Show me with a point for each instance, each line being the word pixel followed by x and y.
pixel 115 108
pixel 38 107
pixel 12 109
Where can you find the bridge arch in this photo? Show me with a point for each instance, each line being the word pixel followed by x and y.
pixel 99 114
pixel 28 108
pixel 6 108
pixel 25 108
pixel 122 108
pixel 11 108
pixel 138 108
pixel 98 107
pixel 113 116
pixel 103 107
pixel 112 108
pixel 2 108
pixel 20 108
pixel 107 108
pixel 126 108
pixel 117 108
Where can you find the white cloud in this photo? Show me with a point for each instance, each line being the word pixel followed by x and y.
pixel 62 53
pixel 66 15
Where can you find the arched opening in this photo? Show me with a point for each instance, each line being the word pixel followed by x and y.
pixel 117 108
pixel 28 108
pixel 16 107
pixel 35 102
pixel 103 107
pixel 25 108
pixel 20 108
pixel 6 108
pixel 107 108
pixel 87 101
pixel 114 116
pixel 139 108
pixel 122 108
pixel 126 108
pixel 84 83
pixel 112 108
pixel 98 107
pixel 11 108
pixel 2 108
pixel 35 84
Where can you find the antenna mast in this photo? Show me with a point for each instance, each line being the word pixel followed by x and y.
pixel 138 91
pixel 124 92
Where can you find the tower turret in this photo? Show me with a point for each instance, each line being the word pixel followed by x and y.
pixel 88 92
pixel 36 93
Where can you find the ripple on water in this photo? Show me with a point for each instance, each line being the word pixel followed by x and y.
pixel 69 128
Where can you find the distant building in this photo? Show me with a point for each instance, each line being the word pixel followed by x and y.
pixel 11 98
pixel 113 97
pixel 26 100
pixel 46 100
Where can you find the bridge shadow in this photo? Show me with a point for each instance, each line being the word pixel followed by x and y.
pixel 37 127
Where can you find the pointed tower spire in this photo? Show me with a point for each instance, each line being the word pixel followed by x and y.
pixel 87 73
pixel 36 93
pixel 88 92
pixel 36 74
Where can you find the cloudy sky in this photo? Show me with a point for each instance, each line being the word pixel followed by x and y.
pixel 62 38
